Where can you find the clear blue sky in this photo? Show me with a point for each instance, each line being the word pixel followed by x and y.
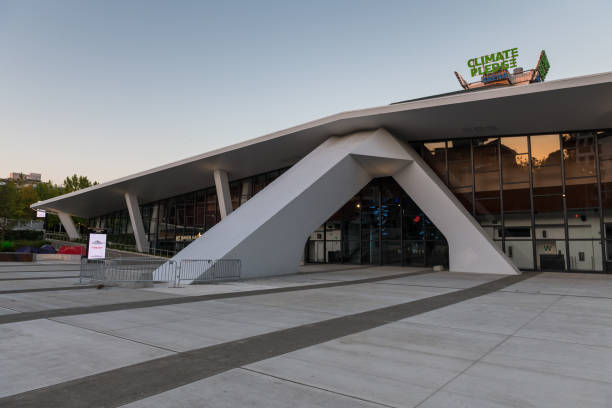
pixel 108 88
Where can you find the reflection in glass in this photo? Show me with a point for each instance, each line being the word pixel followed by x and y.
pixel 521 253
pixel 548 209
pixel 414 253
pixel 516 197
pixel 583 224
pixel 579 154
pixel 582 193
pixel 546 164
pixel 435 155
pixel 585 255
pixel 459 164
pixel 316 245
pixel 550 255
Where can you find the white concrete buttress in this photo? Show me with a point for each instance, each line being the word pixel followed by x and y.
pixel 223 192
pixel 68 225
pixel 131 201
pixel 268 232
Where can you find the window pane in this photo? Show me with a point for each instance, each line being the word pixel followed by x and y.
pixel 521 253
pixel 604 141
pixel 515 160
pixel 392 252
pixel 583 224
pixel 545 149
pixel 464 195
pixel 485 155
pixel 516 197
pixel 548 209
pixel 436 253
pixel 333 251
pixel 582 193
pixel 370 252
pixel 413 226
pixel 488 206
pixel 414 253
pixel 370 215
pixel 550 255
pixel 487 184
pixel 550 231
pixel 585 255
pixel 546 164
pixel 459 164
pixel 351 222
pixel 434 154
pixel 518 226
pixel 579 154
pixel 491 225
pixel 350 252
pixel 514 145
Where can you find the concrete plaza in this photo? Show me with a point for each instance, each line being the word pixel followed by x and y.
pixel 337 336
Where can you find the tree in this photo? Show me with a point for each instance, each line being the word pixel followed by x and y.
pixel 9 206
pixel 48 190
pixel 77 183
pixel 27 196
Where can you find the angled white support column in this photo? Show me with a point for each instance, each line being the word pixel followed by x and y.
pixel 131 201
pixel 469 247
pixel 268 232
pixel 68 225
pixel 223 192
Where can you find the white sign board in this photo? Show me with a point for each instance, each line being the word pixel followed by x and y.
pixel 41 213
pixel 97 246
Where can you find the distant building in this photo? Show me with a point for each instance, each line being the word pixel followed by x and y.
pixel 36 177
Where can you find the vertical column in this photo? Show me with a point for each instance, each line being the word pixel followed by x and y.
pixel 131 202
pixel 68 224
pixel 223 192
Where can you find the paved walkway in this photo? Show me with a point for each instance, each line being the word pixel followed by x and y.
pixel 373 337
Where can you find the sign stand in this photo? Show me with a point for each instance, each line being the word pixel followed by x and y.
pixel 96 243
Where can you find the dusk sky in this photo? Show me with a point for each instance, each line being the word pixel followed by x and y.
pixel 109 88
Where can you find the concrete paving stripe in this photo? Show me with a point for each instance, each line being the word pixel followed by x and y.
pixel 135 382
pixel 46 314
pixel 40 277
pixel 7 292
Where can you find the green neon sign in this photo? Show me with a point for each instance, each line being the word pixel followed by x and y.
pixel 543 66
pixel 493 62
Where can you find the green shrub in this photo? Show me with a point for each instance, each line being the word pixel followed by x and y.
pixel 8 246
pixel 23 235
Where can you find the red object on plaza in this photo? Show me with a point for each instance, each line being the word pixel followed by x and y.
pixel 72 250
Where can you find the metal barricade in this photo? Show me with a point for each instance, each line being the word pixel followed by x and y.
pixel 147 271
pixel 207 270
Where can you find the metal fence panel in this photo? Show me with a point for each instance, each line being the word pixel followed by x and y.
pixel 148 271
pixel 206 270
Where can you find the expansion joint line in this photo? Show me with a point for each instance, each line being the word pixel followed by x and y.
pixel 135 382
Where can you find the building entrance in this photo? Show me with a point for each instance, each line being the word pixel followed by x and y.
pixel 380 225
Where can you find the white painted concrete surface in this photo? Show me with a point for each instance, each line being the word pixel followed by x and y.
pixel 224 197
pixel 68 225
pixel 267 234
pixel 131 201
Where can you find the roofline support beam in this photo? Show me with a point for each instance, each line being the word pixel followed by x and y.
pixel 131 201
pixel 68 225
pixel 223 192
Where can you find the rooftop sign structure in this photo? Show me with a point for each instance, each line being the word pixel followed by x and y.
pixel 494 70
pixel 493 62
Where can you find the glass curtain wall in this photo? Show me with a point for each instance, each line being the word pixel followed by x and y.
pixel 544 199
pixel 379 225
pixel 173 223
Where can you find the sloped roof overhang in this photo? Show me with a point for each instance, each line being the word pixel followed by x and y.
pixel 569 104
